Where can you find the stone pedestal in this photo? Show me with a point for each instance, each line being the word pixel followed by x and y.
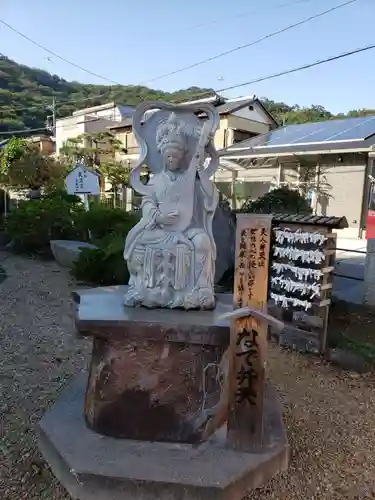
pixel 153 371
pixel 93 467
pixel 149 382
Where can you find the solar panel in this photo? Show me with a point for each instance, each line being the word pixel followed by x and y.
pixel 350 129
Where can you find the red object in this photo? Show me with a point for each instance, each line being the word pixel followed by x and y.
pixel 370 226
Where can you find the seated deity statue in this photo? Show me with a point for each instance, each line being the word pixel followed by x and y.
pixel 171 252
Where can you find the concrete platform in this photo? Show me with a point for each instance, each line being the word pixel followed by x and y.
pixel 93 467
pixel 103 308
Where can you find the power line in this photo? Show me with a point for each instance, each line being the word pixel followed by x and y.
pixel 57 55
pixel 289 71
pixel 176 71
pixel 281 73
pixel 10 132
pixel 250 44
pixel 225 19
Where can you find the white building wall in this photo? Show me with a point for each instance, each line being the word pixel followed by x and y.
pixel 73 126
pixel 256 114
pixel 67 128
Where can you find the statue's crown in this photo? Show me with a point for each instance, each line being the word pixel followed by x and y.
pixel 172 131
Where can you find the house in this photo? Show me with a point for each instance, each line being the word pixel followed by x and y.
pixel 240 119
pixel 46 143
pixel 90 121
pixel 332 161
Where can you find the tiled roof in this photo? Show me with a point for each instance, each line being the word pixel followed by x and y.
pixel 231 106
pixel 315 220
pixel 124 123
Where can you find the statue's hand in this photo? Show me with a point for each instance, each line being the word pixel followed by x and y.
pixel 168 219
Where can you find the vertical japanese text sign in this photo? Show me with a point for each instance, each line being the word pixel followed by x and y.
pixel 249 336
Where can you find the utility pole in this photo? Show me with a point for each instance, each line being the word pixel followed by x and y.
pixel 54 115
pixel 51 119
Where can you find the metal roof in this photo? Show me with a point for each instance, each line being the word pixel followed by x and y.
pixel 331 135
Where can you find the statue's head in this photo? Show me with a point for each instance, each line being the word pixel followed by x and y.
pixel 172 142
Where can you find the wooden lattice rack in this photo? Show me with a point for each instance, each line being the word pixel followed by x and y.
pixel 306 329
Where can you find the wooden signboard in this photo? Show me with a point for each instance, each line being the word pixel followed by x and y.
pixel 82 182
pixel 248 335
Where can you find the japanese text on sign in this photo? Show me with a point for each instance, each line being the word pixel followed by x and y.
pixel 79 181
pixel 252 255
pixel 246 376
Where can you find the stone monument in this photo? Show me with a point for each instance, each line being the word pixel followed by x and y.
pixel 149 418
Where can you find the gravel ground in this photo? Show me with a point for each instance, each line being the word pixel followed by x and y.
pixel 329 414
pixel 39 352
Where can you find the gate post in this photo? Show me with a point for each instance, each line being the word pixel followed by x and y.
pixel 369 278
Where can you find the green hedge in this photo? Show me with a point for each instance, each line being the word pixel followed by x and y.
pixel 280 200
pixel 34 223
pixel 108 229
pixel 103 221
pixel 104 265
pixel 60 216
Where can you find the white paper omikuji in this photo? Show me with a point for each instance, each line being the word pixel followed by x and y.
pixel 311 289
pixel 306 256
pixel 285 302
pixel 301 273
pixel 299 236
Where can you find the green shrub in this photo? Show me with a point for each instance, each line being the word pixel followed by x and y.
pixel 108 228
pixel 34 223
pixel 60 194
pixel 105 265
pixel 103 221
pixel 280 200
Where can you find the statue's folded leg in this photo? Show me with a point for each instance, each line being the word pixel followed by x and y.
pixel 203 260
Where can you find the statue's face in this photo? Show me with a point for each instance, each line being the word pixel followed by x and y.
pixel 173 157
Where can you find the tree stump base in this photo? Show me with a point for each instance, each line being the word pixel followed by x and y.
pixel 153 372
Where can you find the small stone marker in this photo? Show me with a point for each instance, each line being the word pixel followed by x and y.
pixel 248 335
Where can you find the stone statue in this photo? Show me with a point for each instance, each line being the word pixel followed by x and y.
pixel 171 252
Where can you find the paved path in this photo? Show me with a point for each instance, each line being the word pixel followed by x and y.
pixel 351 265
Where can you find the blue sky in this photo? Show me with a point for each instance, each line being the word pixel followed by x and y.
pixel 132 42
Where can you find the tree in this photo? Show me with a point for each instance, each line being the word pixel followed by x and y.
pixel 24 166
pixel 99 151
pixel 280 200
pixel 26 96
pixel 287 115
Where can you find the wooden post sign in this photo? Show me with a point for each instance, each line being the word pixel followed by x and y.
pixel 248 342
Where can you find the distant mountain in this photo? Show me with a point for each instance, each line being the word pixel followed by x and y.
pixel 26 93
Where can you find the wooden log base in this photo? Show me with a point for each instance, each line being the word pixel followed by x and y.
pixel 153 372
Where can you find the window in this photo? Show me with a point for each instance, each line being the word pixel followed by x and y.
pixel 242 135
